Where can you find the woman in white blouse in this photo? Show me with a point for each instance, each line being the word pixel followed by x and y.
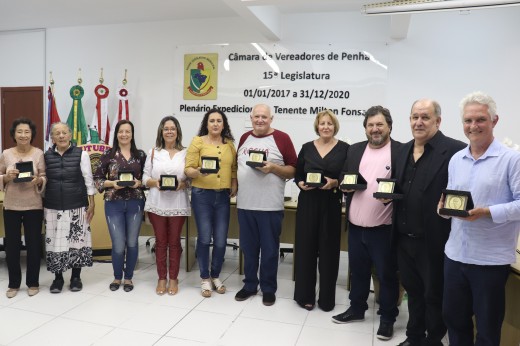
pixel 167 205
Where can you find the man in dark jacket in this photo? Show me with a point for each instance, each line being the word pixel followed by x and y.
pixel 370 224
pixel 422 173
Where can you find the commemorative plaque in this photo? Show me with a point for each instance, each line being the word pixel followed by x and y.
pixel 126 178
pixel 209 164
pixel 168 182
pixel 256 158
pixel 353 181
pixel 314 179
pixel 456 203
pixel 387 189
pixel 25 172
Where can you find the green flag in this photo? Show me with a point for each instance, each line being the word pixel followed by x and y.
pixel 76 119
pixel 94 136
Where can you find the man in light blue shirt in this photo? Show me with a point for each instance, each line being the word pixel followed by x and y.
pixel 481 246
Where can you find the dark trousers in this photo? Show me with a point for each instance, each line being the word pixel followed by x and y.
pixel 32 226
pixel 317 245
pixel 369 246
pixel 421 270
pixel 474 290
pixel 260 240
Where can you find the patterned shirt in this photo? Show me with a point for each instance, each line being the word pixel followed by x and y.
pixel 108 170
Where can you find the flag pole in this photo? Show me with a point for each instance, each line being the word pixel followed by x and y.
pixel 79 77
pixel 51 81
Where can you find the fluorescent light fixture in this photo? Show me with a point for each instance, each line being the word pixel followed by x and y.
pixel 412 6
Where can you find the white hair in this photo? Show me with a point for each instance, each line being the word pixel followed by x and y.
pixel 480 98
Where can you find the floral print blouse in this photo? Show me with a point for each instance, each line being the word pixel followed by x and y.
pixel 108 170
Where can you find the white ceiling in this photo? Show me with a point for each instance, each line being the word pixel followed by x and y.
pixel 32 14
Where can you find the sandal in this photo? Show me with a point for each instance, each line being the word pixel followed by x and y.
pixel 114 286
pixel 161 287
pixel 173 287
pixel 205 287
pixel 218 285
pixel 128 286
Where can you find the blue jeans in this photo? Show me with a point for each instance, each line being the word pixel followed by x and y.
pixel 478 290
pixel 260 232
pixel 369 246
pixel 124 219
pixel 211 209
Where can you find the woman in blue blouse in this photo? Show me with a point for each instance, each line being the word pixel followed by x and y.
pixel 123 204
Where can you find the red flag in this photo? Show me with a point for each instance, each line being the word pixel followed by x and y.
pixel 52 113
pixel 122 112
pixel 100 119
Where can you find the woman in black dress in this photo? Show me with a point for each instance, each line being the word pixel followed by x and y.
pixel 318 216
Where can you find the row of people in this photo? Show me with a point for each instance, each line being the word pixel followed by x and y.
pixel 405 234
pixel 65 174
pixel 452 270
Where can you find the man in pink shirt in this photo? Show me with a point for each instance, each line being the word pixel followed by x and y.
pixel 370 224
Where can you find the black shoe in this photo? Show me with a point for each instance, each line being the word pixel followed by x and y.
pixel 348 316
pixel 76 285
pixel 268 299
pixel 243 294
pixel 57 286
pixel 385 331
pixel 408 342
pixel 129 286
pixel 114 286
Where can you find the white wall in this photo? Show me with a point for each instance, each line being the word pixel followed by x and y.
pixel 445 56
pixel 22 58
pixel 147 51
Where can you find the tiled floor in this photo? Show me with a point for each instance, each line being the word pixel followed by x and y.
pixel 98 316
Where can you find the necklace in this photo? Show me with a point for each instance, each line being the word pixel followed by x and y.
pixel 217 142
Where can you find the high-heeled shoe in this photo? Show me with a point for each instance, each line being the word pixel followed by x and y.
pixel 173 287
pixel 161 287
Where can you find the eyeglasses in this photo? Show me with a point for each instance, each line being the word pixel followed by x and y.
pixel 169 129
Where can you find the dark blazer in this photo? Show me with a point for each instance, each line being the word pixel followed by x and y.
pixel 436 228
pixel 354 155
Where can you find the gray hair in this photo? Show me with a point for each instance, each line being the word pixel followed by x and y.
pixel 436 106
pixel 53 126
pixel 482 99
pixel 264 106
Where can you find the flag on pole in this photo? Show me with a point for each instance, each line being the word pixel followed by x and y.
pixel 52 113
pixel 76 119
pixel 100 122
pixel 123 112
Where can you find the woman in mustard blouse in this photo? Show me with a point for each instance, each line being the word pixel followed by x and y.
pixel 210 194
